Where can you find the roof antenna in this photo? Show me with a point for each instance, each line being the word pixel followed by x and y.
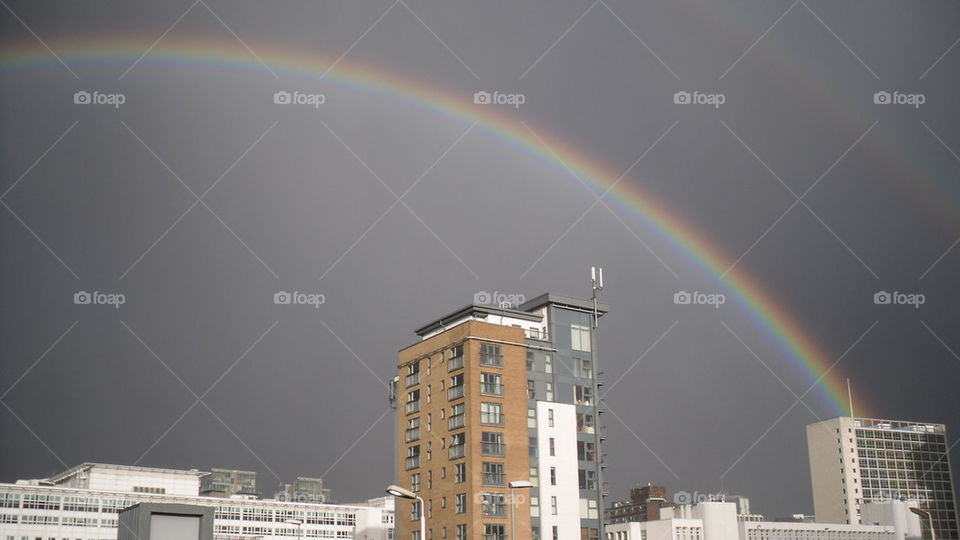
pixel 850 397
pixel 596 278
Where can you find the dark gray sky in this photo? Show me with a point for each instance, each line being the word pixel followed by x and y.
pixel 96 198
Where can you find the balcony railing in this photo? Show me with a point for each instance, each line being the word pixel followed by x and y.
pixel 458 451
pixel 412 407
pixel 495 360
pixel 413 462
pixel 412 379
pixel 491 389
pixel 455 392
pixel 456 421
pixel 455 363
pixel 493 479
pixel 412 435
pixel 493 449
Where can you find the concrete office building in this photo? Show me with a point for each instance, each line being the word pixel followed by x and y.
pixel 83 504
pixel 493 395
pixel 718 521
pixel 228 483
pixel 858 460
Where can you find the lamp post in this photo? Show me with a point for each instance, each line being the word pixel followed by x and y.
pixel 925 514
pixel 516 484
pixel 299 524
pixel 398 491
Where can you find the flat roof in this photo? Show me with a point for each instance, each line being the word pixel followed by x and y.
pixel 475 309
pixel 75 469
pixel 563 301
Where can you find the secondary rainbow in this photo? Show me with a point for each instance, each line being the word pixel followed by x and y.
pixel 763 309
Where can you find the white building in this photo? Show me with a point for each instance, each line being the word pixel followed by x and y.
pixel 82 504
pixel 718 521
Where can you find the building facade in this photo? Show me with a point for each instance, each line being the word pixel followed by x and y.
pixel 644 505
pixel 229 482
pixel 858 460
pixel 490 396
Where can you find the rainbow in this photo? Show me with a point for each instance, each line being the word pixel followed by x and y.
pixel 763 309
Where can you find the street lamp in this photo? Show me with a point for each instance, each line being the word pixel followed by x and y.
pixel 925 514
pixel 299 525
pixel 516 484
pixel 398 491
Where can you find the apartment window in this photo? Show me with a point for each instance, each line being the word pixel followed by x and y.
pixel 493 532
pixel 556 531
pixel 415 482
pixel 584 423
pixel 583 368
pixel 553 446
pixel 456 387
pixel 491 414
pixel 531 418
pixel 457 416
pixel 553 476
pixel 548 395
pixel 413 457
pixel 413 402
pixel 550 417
pixel 586 451
pixel 531 389
pixel 415 535
pixel 493 474
pixel 533 447
pixel 461 503
pixel 494 504
pixel 547 363
pixel 553 505
pixel 580 337
pixel 458 445
pixel 582 395
pixel 492 443
pixel 415 510
pixel 455 359
pixel 491 384
pixel 529 360
pixel 588 479
pixel 461 532
pixel 413 374
pixel 413 429
pixel 429 479
pixel 460 473
pixel 490 355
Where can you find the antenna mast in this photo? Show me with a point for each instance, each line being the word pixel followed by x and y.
pixel 596 278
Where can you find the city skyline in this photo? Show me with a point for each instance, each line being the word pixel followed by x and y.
pixel 222 220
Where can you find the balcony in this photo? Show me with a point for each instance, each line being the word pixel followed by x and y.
pixel 412 462
pixel 412 435
pixel 493 479
pixel 456 421
pixel 491 389
pixel 455 363
pixel 458 451
pixel 455 392
pixel 412 407
pixel 493 449
pixel 412 379
pixel 492 360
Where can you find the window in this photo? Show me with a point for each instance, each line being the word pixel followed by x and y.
pixel 415 510
pixel 493 532
pixel 458 445
pixel 531 389
pixel 550 417
pixel 556 532
pixel 457 416
pixel 547 363
pixel 548 395
pixel 533 447
pixel 583 368
pixel 490 355
pixel 460 473
pixel 553 476
pixel 491 384
pixel 582 395
pixel 492 443
pixel 586 451
pixel 413 374
pixel 529 360
pixel 461 532
pixel 553 446
pixel 415 482
pixel 584 423
pixel 413 402
pixel 580 337
pixel 413 429
pixel 456 387
pixel 588 479
pixel 461 503
pixel 493 474
pixel 493 504
pixel 531 418
pixel 491 414
pixel 413 457
pixel 455 359
pixel 429 479
pixel 553 504
pixel 415 535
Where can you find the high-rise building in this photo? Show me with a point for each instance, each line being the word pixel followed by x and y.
pixel 228 483
pixel 859 460
pixel 490 396
pixel 644 505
